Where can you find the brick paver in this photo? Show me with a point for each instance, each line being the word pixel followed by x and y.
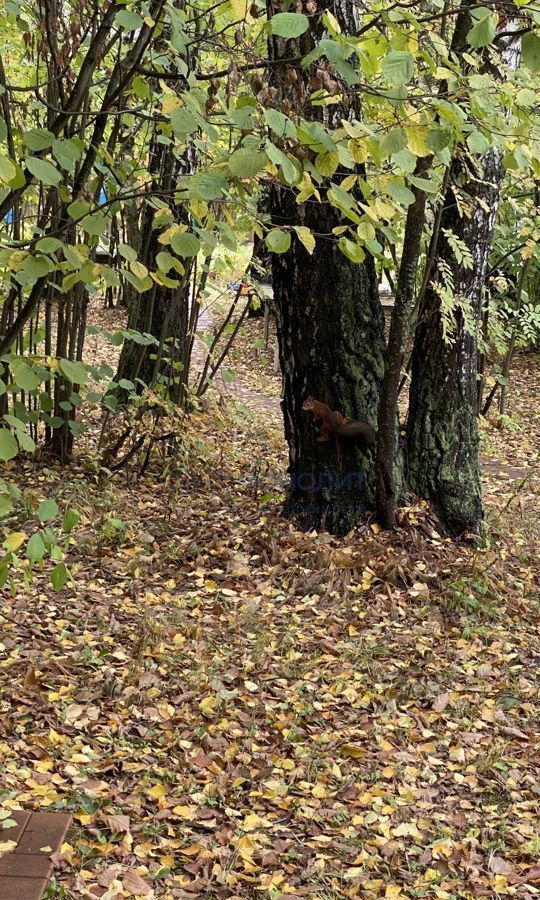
pixel 26 870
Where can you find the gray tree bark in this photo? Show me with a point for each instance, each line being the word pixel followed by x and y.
pixel 442 432
pixel 330 320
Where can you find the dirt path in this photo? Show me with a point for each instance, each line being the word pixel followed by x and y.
pixel 254 400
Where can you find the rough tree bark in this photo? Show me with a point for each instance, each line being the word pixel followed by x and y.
pixel 161 311
pixel 329 318
pixel 442 433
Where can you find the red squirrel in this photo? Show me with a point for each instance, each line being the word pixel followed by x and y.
pixel 334 423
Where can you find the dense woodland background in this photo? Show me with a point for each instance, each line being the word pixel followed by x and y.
pixel 250 661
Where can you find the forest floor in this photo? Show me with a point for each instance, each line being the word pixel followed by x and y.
pixel 231 708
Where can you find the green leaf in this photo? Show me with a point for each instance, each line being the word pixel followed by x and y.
pixel 8 445
pixel 5 505
pixel 210 185
pixel 7 169
pixel 438 139
pixel 184 243
pixel 48 244
pixel 400 193
pixel 26 442
pixel 245 163
pixel 18 179
pixel 43 170
pixel 70 520
pixel 47 510
pixel 351 250
pixel 34 267
pixel 78 209
pixel 393 141
pixel 75 372
pixel 66 153
pixel 228 237
pixel 95 224
pixel 128 20
pixel 25 377
pixel 127 252
pixel 530 51
pixel 59 576
pixel 278 241
pixel 290 173
pixel 183 121
pixel 16 423
pixel 398 66
pixel 38 138
pixel 289 25
pixel 35 548
pixel 140 87
pixel 280 123
pixel 366 230
pixel 477 142
pixel 485 29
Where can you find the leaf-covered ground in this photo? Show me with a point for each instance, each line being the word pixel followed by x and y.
pixel 231 708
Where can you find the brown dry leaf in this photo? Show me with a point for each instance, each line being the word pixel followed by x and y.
pixel 500 866
pixel 135 885
pixel 118 823
pixel 441 702
pixel 108 875
pixel 260 697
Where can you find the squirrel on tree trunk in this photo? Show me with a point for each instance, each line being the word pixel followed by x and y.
pixel 333 422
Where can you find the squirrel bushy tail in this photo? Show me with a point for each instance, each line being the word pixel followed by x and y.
pixel 333 422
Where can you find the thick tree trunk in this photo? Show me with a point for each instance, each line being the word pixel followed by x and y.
pixel 442 436
pixel 330 327
pixel 442 433
pixel 329 318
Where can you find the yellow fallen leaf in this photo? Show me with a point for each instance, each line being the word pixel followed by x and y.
pixel 55 738
pixel 409 829
pixel 14 541
pixel 353 872
pixel 7 846
pixel 488 714
pixel 246 847
pixel 208 705
pixel 185 812
pixel 156 792
pixel 351 751
pixel 251 822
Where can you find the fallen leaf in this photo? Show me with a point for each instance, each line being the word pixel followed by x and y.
pixel 500 866
pixel 135 885
pixel 441 702
pixel 118 823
